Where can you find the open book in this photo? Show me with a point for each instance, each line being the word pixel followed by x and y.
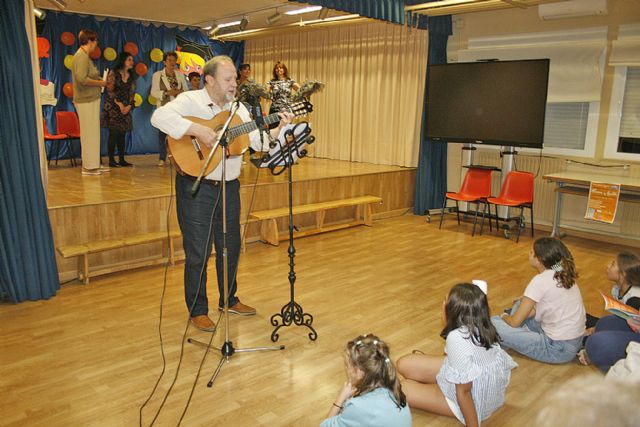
pixel 620 309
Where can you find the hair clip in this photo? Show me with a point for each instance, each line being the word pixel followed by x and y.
pixel 387 360
pixel 357 343
pixel 557 266
pixel 375 342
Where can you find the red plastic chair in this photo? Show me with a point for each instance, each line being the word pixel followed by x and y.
pixel 67 123
pixel 55 142
pixel 516 192
pixel 476 188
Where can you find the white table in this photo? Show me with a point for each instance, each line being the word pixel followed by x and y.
pixel 579 183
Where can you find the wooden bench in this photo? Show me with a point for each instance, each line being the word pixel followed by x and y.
pixel 83 251
pixel 269 227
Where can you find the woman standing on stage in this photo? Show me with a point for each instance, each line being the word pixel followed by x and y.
pixel 116 111
pixel 281 87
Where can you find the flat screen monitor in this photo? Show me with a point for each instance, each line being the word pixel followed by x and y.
pixel 494 102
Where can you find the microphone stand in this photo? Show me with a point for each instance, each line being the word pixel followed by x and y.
pixel 227 350
pixel 291 312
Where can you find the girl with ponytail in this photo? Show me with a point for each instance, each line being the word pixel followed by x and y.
pixel 372 395
pixel 547 323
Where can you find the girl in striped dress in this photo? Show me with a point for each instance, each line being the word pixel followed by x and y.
pixel 470 380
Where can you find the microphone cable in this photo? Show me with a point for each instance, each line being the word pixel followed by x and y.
pixel 164 287
pixel 184 335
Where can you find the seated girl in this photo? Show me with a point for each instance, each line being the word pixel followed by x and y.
pixel 470 381
pixel 624 272
pixel 548 322
pixel 612 334
pixel 372 395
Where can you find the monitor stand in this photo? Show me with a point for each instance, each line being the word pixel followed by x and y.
pixel 508 155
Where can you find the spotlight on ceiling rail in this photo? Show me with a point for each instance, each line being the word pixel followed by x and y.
pixel 214 30
pixel 39 13
pixel 274 18
pixel 243 23
pixel 60 4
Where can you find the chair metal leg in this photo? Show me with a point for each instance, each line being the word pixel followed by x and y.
pixel 485 207
pixel 458 212
pixel 475 220
pixel 444 204
pixel 50 151
pixel 519 223
pixel 489 213
pixel 57 151
pixel 531 210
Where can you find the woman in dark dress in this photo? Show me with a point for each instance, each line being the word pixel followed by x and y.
pixel 118 102
pixel 281 87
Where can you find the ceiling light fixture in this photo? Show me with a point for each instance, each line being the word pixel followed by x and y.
pixel 229 24
pixel 39 13
pixel 303 10
pixel 274 18
pixel 240 35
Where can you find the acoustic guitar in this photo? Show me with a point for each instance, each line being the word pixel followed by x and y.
pixel 189 155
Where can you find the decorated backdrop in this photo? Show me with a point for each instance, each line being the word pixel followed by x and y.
pixel 146 43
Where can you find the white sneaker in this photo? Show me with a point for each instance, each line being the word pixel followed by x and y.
pixel 160 162
pixel 104 169
pixel 90 172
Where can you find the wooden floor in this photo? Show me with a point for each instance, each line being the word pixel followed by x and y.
pixel 90 355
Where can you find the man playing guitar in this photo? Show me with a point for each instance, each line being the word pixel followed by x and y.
pixel 195 211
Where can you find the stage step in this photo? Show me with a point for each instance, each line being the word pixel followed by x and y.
pixel 269 227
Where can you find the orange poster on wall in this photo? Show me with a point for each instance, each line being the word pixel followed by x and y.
pixel 603 201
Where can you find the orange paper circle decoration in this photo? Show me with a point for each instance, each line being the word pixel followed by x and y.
pixel 131 48
pixel 67 89
pixel 67 38
pixel 141 69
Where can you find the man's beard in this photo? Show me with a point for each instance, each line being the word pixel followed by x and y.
pixel 228 97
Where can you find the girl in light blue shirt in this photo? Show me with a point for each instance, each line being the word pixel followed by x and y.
pixel 372 395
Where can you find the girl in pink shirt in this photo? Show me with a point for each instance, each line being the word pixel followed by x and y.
pixel 547 323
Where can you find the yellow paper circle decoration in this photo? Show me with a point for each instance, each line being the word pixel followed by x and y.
pixel 137 99
pixel 110 54
pixel 156 54
pixel 152 100
pixel 68 60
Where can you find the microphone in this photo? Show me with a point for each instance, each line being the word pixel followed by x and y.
pixel 257 115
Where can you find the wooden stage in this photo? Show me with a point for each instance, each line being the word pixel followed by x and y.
pixel 129 201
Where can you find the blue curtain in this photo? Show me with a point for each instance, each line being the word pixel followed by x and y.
pixel 27 260
pixel 431 177
pixel 115 33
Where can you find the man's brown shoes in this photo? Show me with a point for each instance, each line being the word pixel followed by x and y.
pixel 240 309
pixel 203 323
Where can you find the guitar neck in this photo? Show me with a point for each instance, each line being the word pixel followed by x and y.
pixel 236 131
